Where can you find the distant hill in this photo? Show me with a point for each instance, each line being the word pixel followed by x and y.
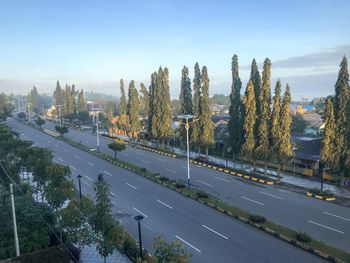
pixel 220 99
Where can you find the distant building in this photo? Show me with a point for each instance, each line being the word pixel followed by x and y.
pixel 93 107
pixel 217 109
pixel 301 109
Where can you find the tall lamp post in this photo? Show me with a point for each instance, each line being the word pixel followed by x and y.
pixel 81 201
pixel 138 218
pixel 187 126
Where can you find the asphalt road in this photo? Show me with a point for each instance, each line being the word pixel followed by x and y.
pixel 324 221
pixel 208 235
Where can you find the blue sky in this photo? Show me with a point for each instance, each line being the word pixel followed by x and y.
pixel 95 43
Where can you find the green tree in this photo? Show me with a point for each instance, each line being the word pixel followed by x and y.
pixel 329 136
pixel 58 189
pixel 249 121
pixel 58 94
pixel 83 116
pixel 298 123
pixel 33 98
pixel 206 126
pixel 342 116
pixel 275 122
pixel 185 99
pixel 61 130
pixel 144 100
pixel 133 108
pixel 151 109
pixel 40 122
pixel 103 222
pixel 285 147
pixel 235 125
pixel 170 252
pixel 6 107
pixel 122 100
pixel 117 145
pixel 81 102
pixel 197 90
pixel 256 79
pixel 262 150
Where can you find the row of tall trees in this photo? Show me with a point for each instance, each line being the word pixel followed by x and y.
pixel 336 141
pixel 259 126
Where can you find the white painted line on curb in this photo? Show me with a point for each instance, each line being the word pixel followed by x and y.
pixel 188 244
pixel 90 163
pixel 72 167
pixel 275 196
pixel 251 200
pixel 214 232
pixel 171 171
pixel 107 173
pixel 76 156
pixel 168 206
pixel 87 177
pixel 344 218
pixel 146 162
pixel 138 211
pixel 222 179
pixel 330 228
pixel 133 187
pixel 204 183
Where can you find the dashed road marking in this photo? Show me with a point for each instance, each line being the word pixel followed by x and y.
pixel 330 228
pixel 90 163
pixel 107 173
pixel 204 183
pixel 133 187
pixel 138 211
pixel 251 200
pixel 274 196
pixel 215 232
pixel 168 206
pixel 171 171
pixel 192 246
pixel 330 214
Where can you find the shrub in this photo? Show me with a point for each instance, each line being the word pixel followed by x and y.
pixel 257 219
pixel 180 185
pixel 303 237
pixel 130 247
pixel 143 169
pixel 202 194
pixel 164 179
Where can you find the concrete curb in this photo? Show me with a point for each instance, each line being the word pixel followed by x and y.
pixel 156 151
pixel 329 199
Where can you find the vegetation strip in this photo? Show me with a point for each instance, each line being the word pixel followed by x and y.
pixel 288 235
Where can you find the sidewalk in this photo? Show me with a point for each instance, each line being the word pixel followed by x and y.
pixel 90 255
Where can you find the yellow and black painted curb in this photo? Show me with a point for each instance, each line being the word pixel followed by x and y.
pixel 227 171
pixel 330 198
pixel 156 151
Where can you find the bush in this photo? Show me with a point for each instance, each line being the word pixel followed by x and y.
pixel 143 170
pixel 257 219
pixel 130 248
pixel 303 237
pixel 316 191
pixel 164 179
pixel 180 185
pixel 202 194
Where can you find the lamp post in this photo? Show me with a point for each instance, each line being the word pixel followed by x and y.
pixel 14 220
pixel 81 201
pixel 138 218
pixel 187 126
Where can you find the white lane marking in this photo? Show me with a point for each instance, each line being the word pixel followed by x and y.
pixel 76 156
pixel 344 218
pixel 159 159
pixel 204 183
pixel 330 228
pixel 107 173
pixel 72 167
pixel 87 183
pixel 168 206
pixel 146 226
pixel 251 200
pixel 215 232
pixel 145 162
pixel 90 163
pixel 60 159
pixel 222 179
pixel 87 177
pixel 125 154
pixel 138 211
pixel 275 196
pixel 112 194
pixel 65 150
pixel 170 171
pixel 188 244
pixel 133 187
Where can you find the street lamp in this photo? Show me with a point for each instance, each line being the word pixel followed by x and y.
pixel 138 218
pixel 187 126
pixel 81 202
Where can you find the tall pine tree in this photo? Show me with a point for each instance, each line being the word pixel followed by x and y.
pixel 285 147
pixel 81 102
pixel 235 125
pixel 196 98
pixel 58 94
pixel 342 114
pixel 122 100
pixel 133 108
pixel 328 146
pixel 151 108
pixel 206 126
pixel 144 100
pixel 185 98
pixel 275 122
pixel 249 121
pixel 262 150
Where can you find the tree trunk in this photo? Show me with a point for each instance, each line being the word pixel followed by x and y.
pixel 206 153
pixel 254 165
pixel 342 178
pixel 265 166
pixel 115 155
pixel 279 169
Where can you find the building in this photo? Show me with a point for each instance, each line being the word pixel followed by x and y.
pixel 301 109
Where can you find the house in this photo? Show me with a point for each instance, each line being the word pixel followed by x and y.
pixel 301 109
pixel 217 109
pixel 51 112
pixel 307 151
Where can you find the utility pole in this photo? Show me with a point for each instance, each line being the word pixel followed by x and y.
pixel 14 220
